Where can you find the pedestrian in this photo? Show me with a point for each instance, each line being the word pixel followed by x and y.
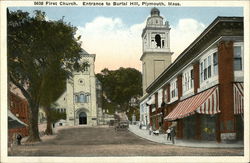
pixel 172 133
pixel 19 138
pixel 150 130
pixel 168 134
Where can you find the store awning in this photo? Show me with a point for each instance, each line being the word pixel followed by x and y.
pixel 238 98
pixel 206 102
pixel 14 122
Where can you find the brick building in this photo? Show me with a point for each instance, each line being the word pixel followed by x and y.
pixel 18 107
pixel 202 90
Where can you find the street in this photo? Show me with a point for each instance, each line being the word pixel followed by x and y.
pixel 105 141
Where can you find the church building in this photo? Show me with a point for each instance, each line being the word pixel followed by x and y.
pixel 80 98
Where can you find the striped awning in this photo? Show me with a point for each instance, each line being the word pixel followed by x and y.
pixel 238 98
pixel 206 102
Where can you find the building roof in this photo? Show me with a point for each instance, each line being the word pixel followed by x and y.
pixel 209 35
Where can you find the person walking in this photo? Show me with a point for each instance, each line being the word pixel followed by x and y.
pixel 19 138
pixel 150 130
pixel 172 133
pixel 168 134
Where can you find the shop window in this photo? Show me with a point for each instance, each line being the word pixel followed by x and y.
pixel 208 127
pixel 165 96
pixel 189 127
pixel 173 89
pixel 205 69
pixel 237 58
pixel 201 72
pixel 192 78
pixel 209 67
pixel 187 80
pixel 215 63
pixel 206 66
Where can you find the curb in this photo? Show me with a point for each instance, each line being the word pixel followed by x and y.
pixel 190 144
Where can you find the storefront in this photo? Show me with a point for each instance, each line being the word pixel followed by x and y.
pixel 203 108
pixel 239 110
pixel 189 127
pixel 208 127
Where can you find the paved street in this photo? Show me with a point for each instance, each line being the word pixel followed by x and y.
pixel 104 141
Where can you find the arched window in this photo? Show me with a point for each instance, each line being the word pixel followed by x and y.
pixel 82 98
pixel 158 40
pixel 76 98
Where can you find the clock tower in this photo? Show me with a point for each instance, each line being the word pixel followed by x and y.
pixel 156 54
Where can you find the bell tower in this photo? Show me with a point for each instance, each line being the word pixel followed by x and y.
pixel 156 54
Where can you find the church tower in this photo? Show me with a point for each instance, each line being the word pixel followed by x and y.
pixel 156 48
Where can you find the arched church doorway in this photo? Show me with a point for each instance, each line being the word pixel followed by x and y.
pixel 82 118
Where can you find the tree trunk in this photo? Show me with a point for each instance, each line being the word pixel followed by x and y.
pixel 48 130
pixel 33 124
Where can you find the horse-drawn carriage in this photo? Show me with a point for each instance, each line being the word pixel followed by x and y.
pixel 122 125
pixel 121 122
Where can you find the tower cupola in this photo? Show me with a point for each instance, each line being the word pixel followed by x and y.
pixel 155 12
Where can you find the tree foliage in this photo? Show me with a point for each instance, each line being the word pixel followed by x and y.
pixel 120 86
pixel 36 48
pixel 55 86
pixel 56 115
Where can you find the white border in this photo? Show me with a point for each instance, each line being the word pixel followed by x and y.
pixel 3 86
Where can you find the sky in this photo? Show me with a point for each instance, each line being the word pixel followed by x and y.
pixel 114 33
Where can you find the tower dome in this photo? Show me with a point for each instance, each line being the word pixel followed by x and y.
pixel 155 12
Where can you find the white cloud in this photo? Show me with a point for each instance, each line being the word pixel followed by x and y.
pixel 115 44
pixel 118 45
pixel 181 36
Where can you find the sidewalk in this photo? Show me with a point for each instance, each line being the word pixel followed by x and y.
pixel 162 138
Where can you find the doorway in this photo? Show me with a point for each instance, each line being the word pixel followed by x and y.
pixel 82 118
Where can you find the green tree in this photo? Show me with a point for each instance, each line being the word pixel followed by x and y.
pixel 56 115
pixel 55 80
pixel 33 46
pixel 121 86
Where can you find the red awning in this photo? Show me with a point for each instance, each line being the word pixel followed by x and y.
pixel 206 102
pixel 238 98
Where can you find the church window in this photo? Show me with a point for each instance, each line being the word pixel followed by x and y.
pixel 163 43
pixel 156 21
pixel 158 40
pixel 76 98
pixel 82 98
pixel 81 82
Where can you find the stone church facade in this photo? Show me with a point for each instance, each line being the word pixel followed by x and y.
pixel 80 98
